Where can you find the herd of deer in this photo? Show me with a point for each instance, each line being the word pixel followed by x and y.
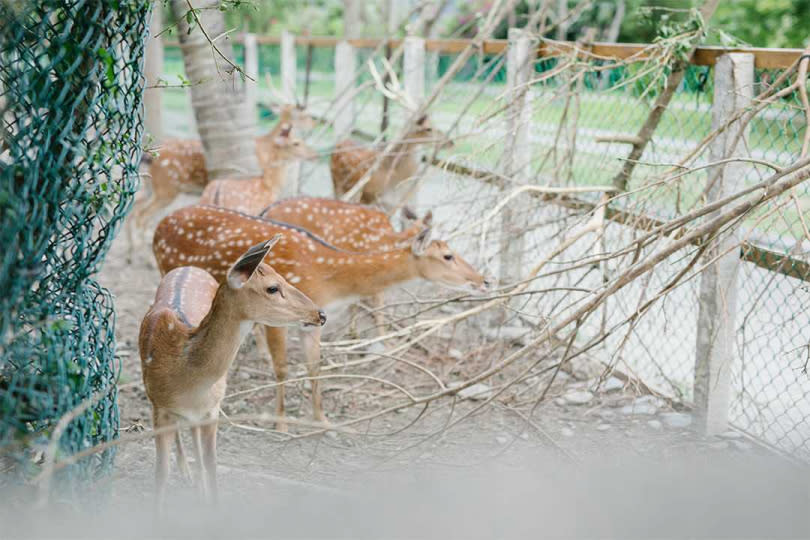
pixel 242 258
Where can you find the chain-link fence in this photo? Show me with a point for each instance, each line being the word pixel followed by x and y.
pixel 71 79
pixel 585 111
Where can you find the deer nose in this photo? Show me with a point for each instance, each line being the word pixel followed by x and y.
pixel 322 317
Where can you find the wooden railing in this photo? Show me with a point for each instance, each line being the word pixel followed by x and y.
pixel 704 56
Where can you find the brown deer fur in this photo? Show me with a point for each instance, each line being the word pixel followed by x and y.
pixel 350 161
pixel 189 338
pixel 250 196
pixel 211 237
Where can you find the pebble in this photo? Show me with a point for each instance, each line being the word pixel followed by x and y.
pixel 644 405
pixel 524 436
pixel 742 445
pixel 655 424
pixel 376 348
pixel 578 397
pixel 500 439
pixel 455 354
pixel 567 432
pixel 677 420
pixel 610 385
pixel 603 427
pixel 244 376
pixel 476 392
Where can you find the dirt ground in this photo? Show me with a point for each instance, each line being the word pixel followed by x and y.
pixel 574 423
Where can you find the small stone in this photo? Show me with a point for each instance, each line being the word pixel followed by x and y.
pixel 524 436
pixel 376 348
pixel 655 424
pixel 455 354
pixel 611 385
pixel 676 419
pixel 559 401
pixel 606 414
pixel 500 439
pixel 244 376
pixel 580 397
pixel 742 445
pixel 567 432
pixel 640 408
pixel 331 434
pixel 603 427
pixel 476 392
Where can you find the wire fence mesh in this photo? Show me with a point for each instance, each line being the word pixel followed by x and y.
pixel 70 72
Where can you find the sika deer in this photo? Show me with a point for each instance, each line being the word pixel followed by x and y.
pixel 189 339
pixel 208 237
pixel 180 168
pixel 350 226
pixel 350 162
pixel 250 196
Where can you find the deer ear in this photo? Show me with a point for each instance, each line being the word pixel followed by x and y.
pixel 421 241
pixel 408 214
pixel 243 269
pixel 428 219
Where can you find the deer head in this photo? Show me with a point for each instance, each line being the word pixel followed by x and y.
pixel 263 296
pixel 281 146
pixel 436 262
pixel 422 131
pixel 288 108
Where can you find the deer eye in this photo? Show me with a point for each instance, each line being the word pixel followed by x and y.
pixel 448 257
pixel 273 289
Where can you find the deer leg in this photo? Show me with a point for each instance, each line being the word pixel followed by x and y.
pixel 277 343
pixel 377 302
pixel 163 447
pixel 198 458
pixel 182 461
pixel 209 456
pixel 312 352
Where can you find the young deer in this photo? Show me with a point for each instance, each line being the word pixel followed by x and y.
pixel 350 161
pixel 208 237
pixel 250 196
pixel 350 226
pixel 180 168
pixel 189 339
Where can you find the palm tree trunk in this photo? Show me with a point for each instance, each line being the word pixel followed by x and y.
pixel 225 125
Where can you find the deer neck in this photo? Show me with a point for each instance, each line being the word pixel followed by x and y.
pixel 215 342
pixel 273 175
pixel 367 274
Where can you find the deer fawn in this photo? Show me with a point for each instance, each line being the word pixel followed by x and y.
pixel 350 161
pixel 350 226
pixel 250 196
pixel 180 168
pixel 208 237
pixel 189 339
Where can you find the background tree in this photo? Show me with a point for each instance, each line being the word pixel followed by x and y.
pixel 226 127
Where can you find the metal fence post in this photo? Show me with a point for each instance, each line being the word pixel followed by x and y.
pixel 517 155
pixel 289 69
pixel 252 71
pixel 153 70
pixel 413 67
pixel 345 69
pixel 715 350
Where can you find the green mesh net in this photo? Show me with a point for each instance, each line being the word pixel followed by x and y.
pixel 70 102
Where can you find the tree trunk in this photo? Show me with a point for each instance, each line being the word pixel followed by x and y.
pixel 616 24
pixel 226 127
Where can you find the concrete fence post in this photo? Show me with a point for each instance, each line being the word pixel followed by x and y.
pixel 153 70
pixel 252 71
pixel 289 70
pixel 345 70
pixel 413 67
pixel 516 158
pixel 716 344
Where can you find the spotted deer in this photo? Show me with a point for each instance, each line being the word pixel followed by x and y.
pixel 350 226
pixel 189 338
pixel 351 161
pixel 180 168
pixel 210 238
pixel 251 196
